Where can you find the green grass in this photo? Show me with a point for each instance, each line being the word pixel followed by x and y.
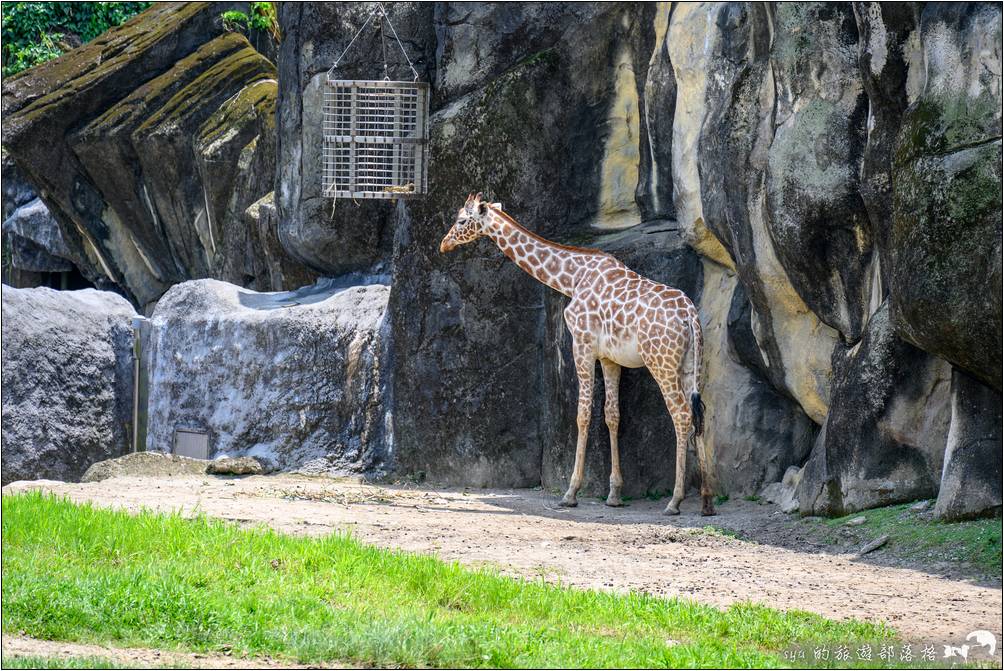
pixel 711 530
pixel 36 662
pixel 77 573
pixel 911 534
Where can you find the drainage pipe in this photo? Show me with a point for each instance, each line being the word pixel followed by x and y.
pixel 137 352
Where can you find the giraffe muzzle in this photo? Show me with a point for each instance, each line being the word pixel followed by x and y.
pixel 447 245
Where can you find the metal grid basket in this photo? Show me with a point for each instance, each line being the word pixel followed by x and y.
pixel 376 136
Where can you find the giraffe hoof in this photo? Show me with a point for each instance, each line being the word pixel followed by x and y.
pixel 707 507
pixel 671 510
pixel 614 501
pixel 568 503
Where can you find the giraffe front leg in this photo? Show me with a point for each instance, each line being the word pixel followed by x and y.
pixel 611 412
pixel 585 362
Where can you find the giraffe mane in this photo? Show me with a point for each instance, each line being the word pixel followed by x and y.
pixel 540 238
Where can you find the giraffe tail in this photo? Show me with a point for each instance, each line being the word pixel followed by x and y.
pixel 696 404
pixel 704 450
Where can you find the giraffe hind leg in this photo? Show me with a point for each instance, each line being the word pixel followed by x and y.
pixel 611 412
pixel 707 483
pixel 704 459
pixel 676 404
pixel 657 347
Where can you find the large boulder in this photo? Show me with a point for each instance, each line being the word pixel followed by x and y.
pixel 945 243
pixel 971 479
pixel 884 438
pixel 814 213
pixel 37 243
pixel 296 379
pixel 67 381
pixel 164 133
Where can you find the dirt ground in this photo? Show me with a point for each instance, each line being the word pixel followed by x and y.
pixel 775 560
pixel 23 646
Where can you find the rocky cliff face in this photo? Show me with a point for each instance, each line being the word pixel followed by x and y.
pixel 30 232
pixel 823 179
pixel 147 145
pixel 813 154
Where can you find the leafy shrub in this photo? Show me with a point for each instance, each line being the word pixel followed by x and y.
pixel 34 32
pixel 262 17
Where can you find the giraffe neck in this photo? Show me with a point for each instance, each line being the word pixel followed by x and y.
pixel 555 265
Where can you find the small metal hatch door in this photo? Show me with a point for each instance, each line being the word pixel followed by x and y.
pixel 192 443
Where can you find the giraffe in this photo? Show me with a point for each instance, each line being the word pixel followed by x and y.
pixel 617 317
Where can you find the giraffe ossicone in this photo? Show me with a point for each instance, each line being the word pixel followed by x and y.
pixel 616 317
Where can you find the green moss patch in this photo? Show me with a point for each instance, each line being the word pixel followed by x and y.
pixel 913 534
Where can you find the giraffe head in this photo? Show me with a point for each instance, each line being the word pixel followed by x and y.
pixel 471 223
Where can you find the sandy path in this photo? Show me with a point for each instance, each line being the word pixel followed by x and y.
pixel 523 532
pixel 23 646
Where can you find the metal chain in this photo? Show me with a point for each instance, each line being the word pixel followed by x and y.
pixel 383 46
pixel 403 51
pixel 379 8
pixel 352 41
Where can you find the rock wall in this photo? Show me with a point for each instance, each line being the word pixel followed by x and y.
pixel 295 379
pixel 807 155
pixel 548 120
pixel 945 242
pixel 825 113
pixel 67 381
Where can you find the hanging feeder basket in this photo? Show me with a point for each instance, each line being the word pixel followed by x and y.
pixel 376 132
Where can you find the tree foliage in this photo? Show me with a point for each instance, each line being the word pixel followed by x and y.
pixel 34 32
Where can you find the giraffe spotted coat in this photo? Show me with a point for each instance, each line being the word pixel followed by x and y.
pixel 616 317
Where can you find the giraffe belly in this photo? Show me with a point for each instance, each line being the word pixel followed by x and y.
pixel 623 351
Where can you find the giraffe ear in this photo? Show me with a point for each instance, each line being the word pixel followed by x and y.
pixel 478 197
pixel 497 206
